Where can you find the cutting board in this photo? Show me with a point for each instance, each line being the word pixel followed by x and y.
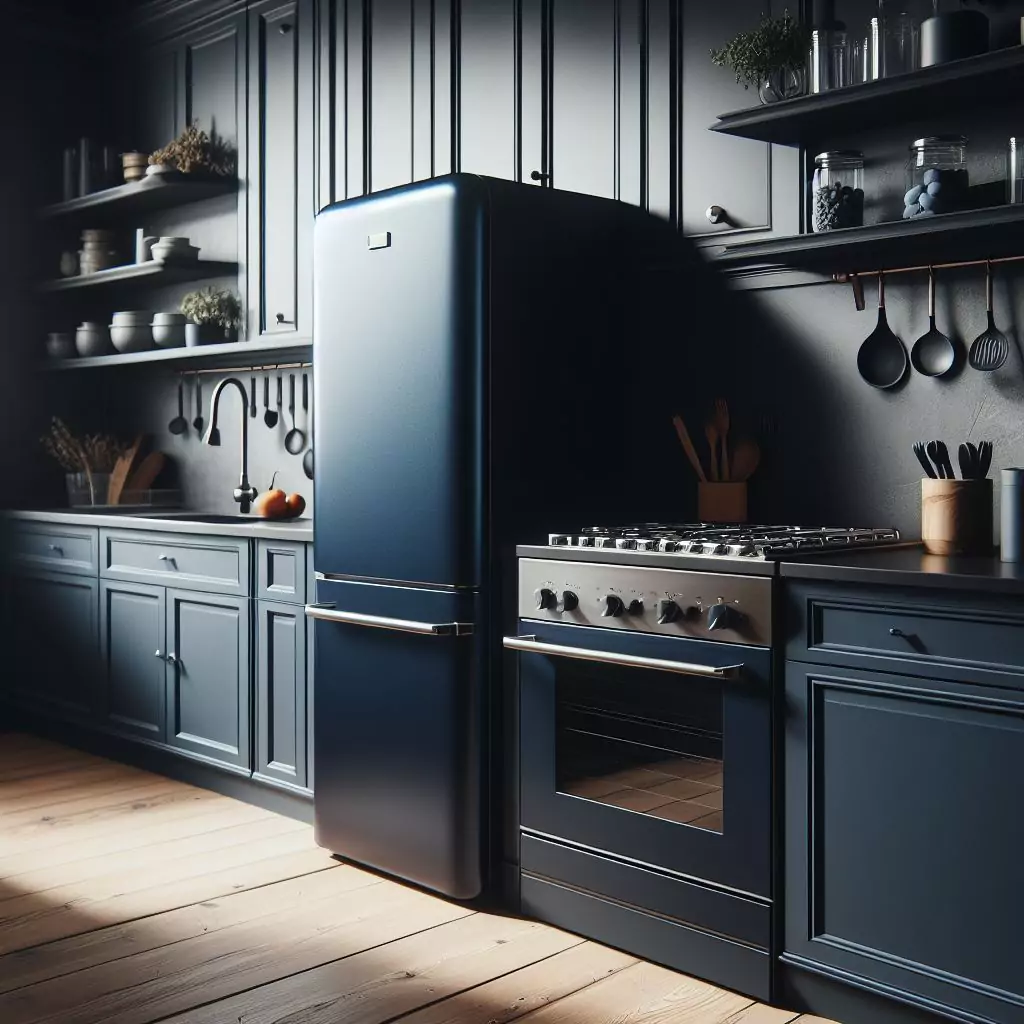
pixel 122 468
pixel 148 470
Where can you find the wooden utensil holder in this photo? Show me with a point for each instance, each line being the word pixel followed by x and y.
pixel 956 516
pixel 722 502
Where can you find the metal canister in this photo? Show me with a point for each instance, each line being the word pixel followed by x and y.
pixel 1011 516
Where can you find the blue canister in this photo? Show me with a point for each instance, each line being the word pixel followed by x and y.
pixel 1011 516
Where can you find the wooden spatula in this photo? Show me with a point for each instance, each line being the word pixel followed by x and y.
pixel 122 468
pixel 149 469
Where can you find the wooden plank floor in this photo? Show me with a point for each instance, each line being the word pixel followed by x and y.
pixel 127 898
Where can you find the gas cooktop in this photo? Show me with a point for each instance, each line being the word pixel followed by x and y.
pixel 759 543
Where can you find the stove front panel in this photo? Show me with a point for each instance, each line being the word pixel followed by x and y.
pixel 667 602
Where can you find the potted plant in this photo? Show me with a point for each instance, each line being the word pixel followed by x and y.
pixel 772 57
pixel 213 316
pixel 87 461
pixel 193 152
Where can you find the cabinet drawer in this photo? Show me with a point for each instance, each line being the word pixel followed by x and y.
pixel 217 564
pixel 281 571
pixel 854 625
pixel 54 548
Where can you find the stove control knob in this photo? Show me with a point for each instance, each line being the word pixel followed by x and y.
pixel 636 606
pixel 722 616
pixel 545 599
pixel 569 602
pixel 613 607
pixel 668 611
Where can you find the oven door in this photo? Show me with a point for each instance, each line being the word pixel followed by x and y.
pixel 655 749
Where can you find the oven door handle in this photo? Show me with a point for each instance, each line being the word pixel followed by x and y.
pixel 531 645
pixel 327 613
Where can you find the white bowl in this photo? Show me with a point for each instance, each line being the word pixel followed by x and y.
pixel 168 335
pixel 174 252
pixel 131 337
pixel 178 240
pixel 129 317
pixel 168 318
pixel 92 340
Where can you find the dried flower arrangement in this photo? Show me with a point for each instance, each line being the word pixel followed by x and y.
pixel 212 306
pixel 88 454
pixel 193 150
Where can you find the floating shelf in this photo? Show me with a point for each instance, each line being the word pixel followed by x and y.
pixel 237 353
pixel 142 197
pixel 953 237
pixel 958 87
pixel 154 272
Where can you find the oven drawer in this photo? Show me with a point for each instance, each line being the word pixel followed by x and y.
pixel 650 936
pixel 214 564
pixel 69 549
pixel 906 631
pixel 687 902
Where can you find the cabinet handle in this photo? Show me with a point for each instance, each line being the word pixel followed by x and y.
pixel 57 549
pixel 893 631
pixel 281 319
pixel 540 176
pixel 172 658
pixel 717 215
pixel 169 559
pixel 160 655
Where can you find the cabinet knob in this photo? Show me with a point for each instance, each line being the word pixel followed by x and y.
pixel 172 658
pixel 158 654
pixel 282 319
pixel 284 28
pixel 717 215
pixel 169 559
pixel 540 176
pixel 893 631
pixel 57 549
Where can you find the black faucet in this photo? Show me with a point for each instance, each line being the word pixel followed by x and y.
pixel 244 494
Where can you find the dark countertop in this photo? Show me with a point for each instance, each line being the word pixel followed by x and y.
pixel 910 566
pixel 300 530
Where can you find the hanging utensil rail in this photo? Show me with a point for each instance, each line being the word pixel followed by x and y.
pixel 266 368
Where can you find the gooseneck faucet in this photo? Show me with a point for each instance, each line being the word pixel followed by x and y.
pixel 244 494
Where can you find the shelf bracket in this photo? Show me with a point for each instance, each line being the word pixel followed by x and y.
pixel 856 284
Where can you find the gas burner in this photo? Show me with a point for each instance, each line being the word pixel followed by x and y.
pixel 715 540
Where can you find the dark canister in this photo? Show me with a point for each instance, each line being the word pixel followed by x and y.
pixel 953 36
pixel 1011 516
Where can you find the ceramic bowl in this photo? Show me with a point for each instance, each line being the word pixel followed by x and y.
pixel 169 335
pixel 168 318
pixel 92 339
pixel 131 337
pixel 132 317
pixel 175 240
pixel 175 252
pixel 60 345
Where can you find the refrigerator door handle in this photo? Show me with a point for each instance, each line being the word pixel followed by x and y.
pixel 328 613
pixel 531 645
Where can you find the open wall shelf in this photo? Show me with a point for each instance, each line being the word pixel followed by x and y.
pixel 953 237
pixel 153 272
pixel 961 86
pixel 140 198
pixel 238 353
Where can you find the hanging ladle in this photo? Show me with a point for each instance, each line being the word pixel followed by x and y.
pixel 933 353
pixel 882 359
pixel 179 424
pixel 295 439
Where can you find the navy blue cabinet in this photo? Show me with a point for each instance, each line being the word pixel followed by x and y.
pixel 902 796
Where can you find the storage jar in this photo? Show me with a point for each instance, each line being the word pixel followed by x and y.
pixel 1011 516
pixel 937 178
pixel 837 190
pixel 1015 170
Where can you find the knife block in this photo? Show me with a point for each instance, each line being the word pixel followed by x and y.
pixel 956 516
pixel 722 502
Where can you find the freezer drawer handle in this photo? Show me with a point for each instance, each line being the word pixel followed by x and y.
pixel 327 613
pixel 531 645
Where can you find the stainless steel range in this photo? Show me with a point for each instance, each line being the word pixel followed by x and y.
pixel 646 767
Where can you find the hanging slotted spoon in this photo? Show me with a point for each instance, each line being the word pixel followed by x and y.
pixel 933 353
pixel 991 347
pixel 882 359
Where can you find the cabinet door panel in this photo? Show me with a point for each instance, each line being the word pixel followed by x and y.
pixel 132 631
pixel 392 51
pixel 902 853
pixel 736 174
pixel 282 173
pixel 56 636
pixel 208 678
pixel 281 692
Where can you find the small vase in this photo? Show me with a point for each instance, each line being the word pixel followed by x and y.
pixel 209 334
pixel 783 85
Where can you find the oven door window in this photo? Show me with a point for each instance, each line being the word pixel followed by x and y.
pixel 648 742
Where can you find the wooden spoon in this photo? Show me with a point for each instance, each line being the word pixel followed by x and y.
pixel 722 424
pixel 746 457
pixel 711 433
pixel 691 452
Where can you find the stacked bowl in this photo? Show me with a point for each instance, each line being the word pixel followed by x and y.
pixel 131 330
pixel 169 330
pixel 173 248
pixel 97 252
pixel 92 339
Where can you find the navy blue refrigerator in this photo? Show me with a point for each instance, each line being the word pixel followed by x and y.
pixel 475 385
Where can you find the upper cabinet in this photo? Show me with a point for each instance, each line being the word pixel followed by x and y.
pixel 281 168
pixel 732 189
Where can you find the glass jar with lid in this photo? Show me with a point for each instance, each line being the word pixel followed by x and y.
pixel 837 190
pixel 937 177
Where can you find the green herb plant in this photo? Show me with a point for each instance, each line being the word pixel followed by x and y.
pixel 212 306
pixel 777 44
